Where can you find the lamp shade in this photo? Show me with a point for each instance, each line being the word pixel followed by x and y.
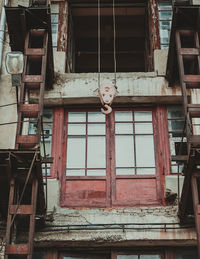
pixel 14 62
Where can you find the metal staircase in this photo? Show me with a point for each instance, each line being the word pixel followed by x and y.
pixel 187 47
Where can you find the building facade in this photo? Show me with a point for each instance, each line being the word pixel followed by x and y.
pixel 114 186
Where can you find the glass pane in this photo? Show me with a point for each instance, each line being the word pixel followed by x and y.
pixel 145 151
pixel 125 171
pixel 96 172
pixel 39 255
pixel 142 128
pixel 142 171
pixel 123 116
pixel 127 256
pixel 164 6
pixel 165 27
pixel 187 254
pixel 75 172
pixel 76 129
pixel 76 152
pixel 150 257
pixel 47 127
pixel 32 128
pixel 47 147
pixel 47 115
pixel 96 152
pixel 54 8
pixel 176 125
pixel 143 115
pixel 96 117
pixel 124 149
pixel 165 15
pixel 96 129
pixel 175 112
pixel 123 128
pixel 54 18
pixel 46 170
pixel 77 117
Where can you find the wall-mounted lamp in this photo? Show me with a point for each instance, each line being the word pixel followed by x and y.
pixel 15 65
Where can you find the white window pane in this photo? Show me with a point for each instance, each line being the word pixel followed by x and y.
pixel 77 117
pixel 123 116
pixel 96 117
pixel 76 129
pixel 150 257
pixel 75 172
pixel 76 152
pixel 142 171
pixel 145 151
pixel 96 152
pixel 127 257
pixel 124 149
pixel 54 8
pixel 96 172
pixel 123 128
pixel 143 116
pixel 165 15
pixel 47 147
pixel 142 128
pixel 125 171
pixel 54 18
pixel 96 129
pixel 164 6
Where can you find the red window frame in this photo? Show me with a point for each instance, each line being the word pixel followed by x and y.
pixel 161 153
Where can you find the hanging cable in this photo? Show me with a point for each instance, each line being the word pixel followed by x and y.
pixel 99 43
pixel 114 44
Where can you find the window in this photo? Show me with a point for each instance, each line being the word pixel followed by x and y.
pixel 177 140
pixel 54 24
pixel 47 127
pixel 131 37
pixel 138 256
pixel 165 18
pixel 106 156
pixel 187 254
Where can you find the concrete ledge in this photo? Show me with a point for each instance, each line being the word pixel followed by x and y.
pixel 131 87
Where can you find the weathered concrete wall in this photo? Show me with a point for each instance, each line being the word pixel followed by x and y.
pixel 131 87
pixel 160 61
pixel 117 237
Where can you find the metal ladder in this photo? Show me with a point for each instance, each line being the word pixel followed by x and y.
pixel 188 54
pixel 23 215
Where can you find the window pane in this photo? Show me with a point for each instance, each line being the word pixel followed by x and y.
pixel 124 149
pixel 96 129
pixel 145 151
pixel 47 147
pixel 77 117
pixel 176 125
pixel 141 128
pixel 124 128
pixel 164 6
pixel 76 152
pixel 39 255
pixel 150 257
pixel 127 257
pixel 96 155
pixel 125 171
pixel 143 116
pixel 47 115
pixel 54 8
pixel 76 129
pixel 175 112
pixel 165 15
pixel 75 172
pixel 142 171
pixel 54 18
pixel 96 117
pixel 188 254
pixel 96 172
pixel 123 116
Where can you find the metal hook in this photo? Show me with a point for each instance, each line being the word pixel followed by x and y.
pixel 109 109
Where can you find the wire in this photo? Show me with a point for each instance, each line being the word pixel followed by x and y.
pixel 114 43
pixel 99 43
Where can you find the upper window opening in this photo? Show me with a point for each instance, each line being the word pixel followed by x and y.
pixel 165 19
pixel 131 39
pixel 54 24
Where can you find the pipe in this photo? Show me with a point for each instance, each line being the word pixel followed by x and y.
pixel 2 30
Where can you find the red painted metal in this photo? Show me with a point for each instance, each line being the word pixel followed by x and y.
pixel 29 110
pixel 22 209
pixel 33 79
pixel 21 249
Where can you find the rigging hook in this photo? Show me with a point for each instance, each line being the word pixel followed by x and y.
pixel 109 109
